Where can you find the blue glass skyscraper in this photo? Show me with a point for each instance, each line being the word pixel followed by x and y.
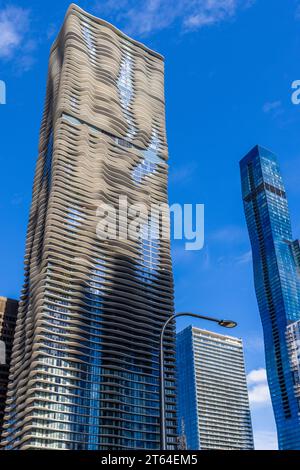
pixel 277 282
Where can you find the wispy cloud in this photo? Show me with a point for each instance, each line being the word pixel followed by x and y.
pixel 254 343
pixel 211 12
pixel 52 30
pixel 231 238
pixel 229 234
pixel 244 258
pixel 17 199
pixel 273 108
pixel 235 260
pixel 142 17
pixel 259 394
pixel 179 254
pixel 182 174
pixel 14 24
pixel 15 41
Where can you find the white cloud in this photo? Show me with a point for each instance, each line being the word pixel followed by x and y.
pixel 257 376
pixel 265 440
pixel 14 24
pixel 16 40
pixel 142 17
pixel 210 12
pixel 259 394
pixel 265 437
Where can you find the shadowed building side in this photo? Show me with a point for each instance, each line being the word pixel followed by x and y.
pixel 8 317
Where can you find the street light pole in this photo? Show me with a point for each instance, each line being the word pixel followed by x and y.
pixel 224 323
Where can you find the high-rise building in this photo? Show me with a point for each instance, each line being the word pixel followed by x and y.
pixel 85 365
pixel 213 401
pixel 293 341
pixel 276 263
pixel 8 317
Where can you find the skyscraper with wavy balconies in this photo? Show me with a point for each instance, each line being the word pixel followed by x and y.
pixel 276 263
pixel 85 364
pixel 8 315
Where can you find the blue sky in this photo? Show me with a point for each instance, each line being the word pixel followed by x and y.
pixel 229 69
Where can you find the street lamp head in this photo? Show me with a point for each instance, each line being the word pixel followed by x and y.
pixel 227 323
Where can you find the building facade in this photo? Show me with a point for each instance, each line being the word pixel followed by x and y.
pixel 85 365
pixel 8 317
pixel 276 263
pixel 213 401
pixel 293 341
